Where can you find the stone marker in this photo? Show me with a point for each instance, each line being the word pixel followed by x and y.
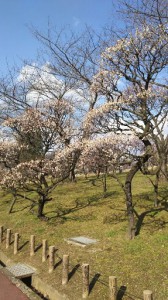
pixel 21 270
pixel 85 275
pixel 8 238
pixel 1 234
pixel 51 258
pixel 32 245
pixel 16 243
pixel 81 241
pixel 65 269
pixel 113 288
pixel 147 295
pixel 44 250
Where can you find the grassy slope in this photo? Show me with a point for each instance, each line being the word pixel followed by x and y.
pixel 80 209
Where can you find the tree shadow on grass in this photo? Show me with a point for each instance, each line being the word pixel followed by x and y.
pixel 22 209
pixel 144 196
pixel 152 213
pixel 96 200
pixel 6 202
pixel 149 197
pixel 164 197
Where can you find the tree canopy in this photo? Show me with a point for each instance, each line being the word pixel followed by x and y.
pixel 90 101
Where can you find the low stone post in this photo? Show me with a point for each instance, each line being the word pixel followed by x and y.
pixel 65 269
pixel 1 234
pixel 8 238
pixel 51 258
pixel 85 275
pixel 44 250
pixel 147 295
pixel 32 245
pixel 16 243
pixel 113 288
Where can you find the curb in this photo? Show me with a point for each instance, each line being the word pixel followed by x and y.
pixel 37 283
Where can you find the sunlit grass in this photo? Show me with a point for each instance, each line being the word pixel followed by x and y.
pixel 82 209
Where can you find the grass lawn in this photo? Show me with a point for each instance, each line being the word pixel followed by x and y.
pixel 81 209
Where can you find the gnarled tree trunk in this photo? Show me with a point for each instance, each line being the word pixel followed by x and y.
pixel 128 187
pixel 129 203
pixel 41 203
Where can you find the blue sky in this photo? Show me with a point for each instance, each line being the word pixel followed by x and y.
pixel 17 41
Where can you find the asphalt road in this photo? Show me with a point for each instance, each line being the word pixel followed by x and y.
pixel 9 291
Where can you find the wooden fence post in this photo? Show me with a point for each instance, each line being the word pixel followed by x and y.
pixel 1 234
pixel 85 275
pixel 44 250
pixel 16 243
pixel 8 238
pixel 32 245
pixel 51 258
pixel 113 288
pixel 65 269
pixel 147 295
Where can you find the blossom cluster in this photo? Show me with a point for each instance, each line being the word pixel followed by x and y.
pixel 109 152
pixel 31 174
pixel 138 49
pixel 44 126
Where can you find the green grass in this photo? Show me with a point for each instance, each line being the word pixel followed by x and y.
pixel 82 209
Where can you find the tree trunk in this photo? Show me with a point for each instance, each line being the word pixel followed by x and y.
pixel 164 168
pixel 130 211
pixel 41 203
pixel 129 204
pixel 72 175
pixel 98 172
pixel 128 187
pixel 156 186
pixel 75 158
pixel 12 204
pixel 105 180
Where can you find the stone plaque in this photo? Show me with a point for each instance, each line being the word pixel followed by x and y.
pixel 21 270
pixel 81 241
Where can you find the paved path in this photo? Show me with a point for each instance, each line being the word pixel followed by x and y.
pixel 8 290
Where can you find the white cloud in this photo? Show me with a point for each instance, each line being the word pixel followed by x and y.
pixel 42 83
